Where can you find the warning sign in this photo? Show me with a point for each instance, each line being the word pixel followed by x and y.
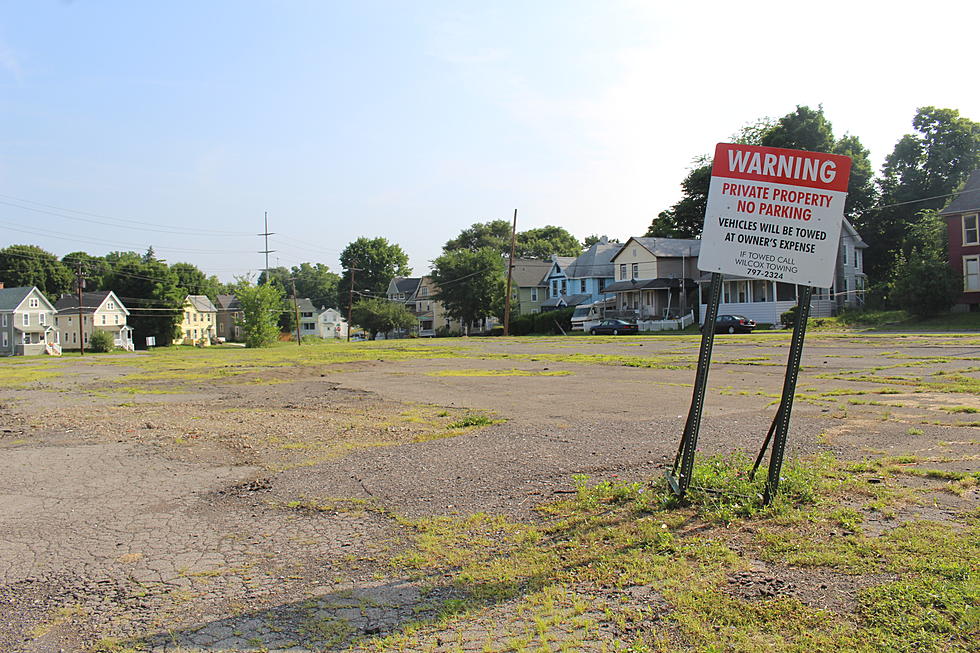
pixel 774 214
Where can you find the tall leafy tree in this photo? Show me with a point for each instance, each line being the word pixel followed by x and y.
pixel 377 262
pixel 471 284
pixel 151 292
pixel 95 268
pixel 920 172
pixel 261 307
pixel 378 315
pixel 543 242
pixel 193 281
pixel 802 129
pixel 316 281
pixel 494 234
pixel 29 265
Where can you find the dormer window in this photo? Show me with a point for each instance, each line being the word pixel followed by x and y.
pixel 34 303
pixel 971 234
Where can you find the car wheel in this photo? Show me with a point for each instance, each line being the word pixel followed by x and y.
pixel 615 332
pixel 731 329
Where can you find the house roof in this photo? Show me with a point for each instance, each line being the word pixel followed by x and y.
pixel 567 300
pixel 529 272
pixel 648 284
pixel 305 305
pixel 404 286
pixel 10 298
pixel 91 301
pixel 849 228
pixel 201 303
pixel 967 198
pixel 228 303
pixel 562 262
pixel 596 261
pixel 665 247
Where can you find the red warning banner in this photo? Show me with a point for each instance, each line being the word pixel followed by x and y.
pixel 776 165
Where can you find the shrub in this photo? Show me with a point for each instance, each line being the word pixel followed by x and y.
pixel 788 317
pixel 100 341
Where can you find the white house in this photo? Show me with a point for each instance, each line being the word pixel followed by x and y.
pixel 331 324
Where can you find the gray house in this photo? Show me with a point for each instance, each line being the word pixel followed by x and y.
pixel 100 311
pixel 27 323
pixel 229 315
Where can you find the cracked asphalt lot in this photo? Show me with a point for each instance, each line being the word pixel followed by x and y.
pixel 255 512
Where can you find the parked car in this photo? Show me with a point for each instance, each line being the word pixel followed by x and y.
pixel 614 328
pixel 733 324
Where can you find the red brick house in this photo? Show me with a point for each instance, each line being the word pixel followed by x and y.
pixel 963 226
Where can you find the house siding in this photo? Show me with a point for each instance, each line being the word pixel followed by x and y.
pixel 958 251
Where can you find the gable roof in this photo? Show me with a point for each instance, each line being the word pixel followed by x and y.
pixel 91 302
pixel 849 229
pixel 404 286
pixel 201 303
pixel 967 198
pixel 596 261
pixel 665 247
pixel 561 262
pixel 227 302
pixel 529 272
pixel 10 298
pixel 305 305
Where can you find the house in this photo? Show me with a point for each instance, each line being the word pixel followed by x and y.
pixel 592 271
pixel 429 310
pixel 229 317
pixel 556 281
pixel 403 291
pixel 100 310
pixel 307 317
pixel 331 324
pixel 27 322
pixel 963 228
pixel 199 326
pixel 765 301
pixel 654 278
pixel 528 285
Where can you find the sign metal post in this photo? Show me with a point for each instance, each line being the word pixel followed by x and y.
pixel 773 216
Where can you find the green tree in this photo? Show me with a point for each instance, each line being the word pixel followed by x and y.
pixel 494 234
pixel 95 268
pixel 29 265
pixel 194 282
pixel 378 315
pixel 543 242
pixel 150 291
pixel 595 238
pixel 377 262
pixel 101 341
pixel 802 129
pixel 922 170
pixel 924 286
pixel 471 284
pixel 317 282
pixel 261 307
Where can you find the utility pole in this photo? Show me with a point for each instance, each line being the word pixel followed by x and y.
pixel 81 332
pixel 510 275
pixel 267 251
pixel 350 300
pixel 299 336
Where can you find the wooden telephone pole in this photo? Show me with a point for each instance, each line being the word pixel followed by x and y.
pixel 79 282
pixel 510 275
pixel 299 336
pixel 350 298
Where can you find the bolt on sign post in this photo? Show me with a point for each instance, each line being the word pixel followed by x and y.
pixel 773 215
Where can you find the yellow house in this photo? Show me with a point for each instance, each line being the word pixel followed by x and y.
pixel 199 326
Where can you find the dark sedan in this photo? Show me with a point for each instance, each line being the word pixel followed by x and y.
pixel 734 324
pixel 614 328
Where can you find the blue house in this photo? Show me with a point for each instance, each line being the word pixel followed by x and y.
pixel 583 279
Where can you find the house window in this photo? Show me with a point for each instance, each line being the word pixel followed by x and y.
pixel 635 271
pixel 785 292
pixel 425 291
pixel 33 302
pixel 56 320
pixel 857 259
pixel 85 336
pixel 971 273
pixel 602 285
pixel 4 319
pixel 582 286
pixel 971 235
pixel 622 271
pixel 104 319
pixel 5 342
pixel 843 253
pixel 27 338
pixel 534 294
pixel 117 319
pixel 27 319
pixel 187 317
pixel 111 305
pixel 40 319
pixel 554 287
pixel 564 287
pixel 760 291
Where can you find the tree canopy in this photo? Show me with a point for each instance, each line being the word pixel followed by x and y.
pixel 377 262
pixel 29 265
pixel 261 308
pixel 539 242
pixel 194 282
pixel 802 129
pixel 379 315
pixel 471 284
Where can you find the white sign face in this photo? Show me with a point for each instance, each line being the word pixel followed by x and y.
pixel 774 214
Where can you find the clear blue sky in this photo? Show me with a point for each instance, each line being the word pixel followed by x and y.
pixel 412 120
